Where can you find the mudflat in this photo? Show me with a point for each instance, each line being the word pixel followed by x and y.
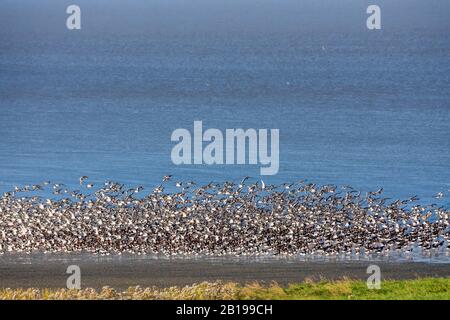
pixel 121 272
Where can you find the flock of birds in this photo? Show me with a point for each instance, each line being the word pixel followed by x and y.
pixel 241 218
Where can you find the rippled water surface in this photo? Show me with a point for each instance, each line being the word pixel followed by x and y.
pixel 368 109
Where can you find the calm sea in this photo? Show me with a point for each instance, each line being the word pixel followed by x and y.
pixel 365 108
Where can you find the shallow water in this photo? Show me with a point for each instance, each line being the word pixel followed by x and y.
pixel 437 256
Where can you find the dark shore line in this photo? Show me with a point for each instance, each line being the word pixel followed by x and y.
pixel 49 271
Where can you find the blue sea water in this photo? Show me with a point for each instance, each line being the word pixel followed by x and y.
pixel 366 108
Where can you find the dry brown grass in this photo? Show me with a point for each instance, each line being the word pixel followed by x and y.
pixel 426 288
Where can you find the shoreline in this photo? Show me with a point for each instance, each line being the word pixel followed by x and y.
pixel 49 271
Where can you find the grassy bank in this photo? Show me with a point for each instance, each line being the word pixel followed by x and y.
pixel 425 288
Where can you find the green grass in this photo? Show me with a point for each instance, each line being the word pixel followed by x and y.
pixel 418 289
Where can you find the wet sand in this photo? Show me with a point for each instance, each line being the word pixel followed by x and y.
pixel 49 271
